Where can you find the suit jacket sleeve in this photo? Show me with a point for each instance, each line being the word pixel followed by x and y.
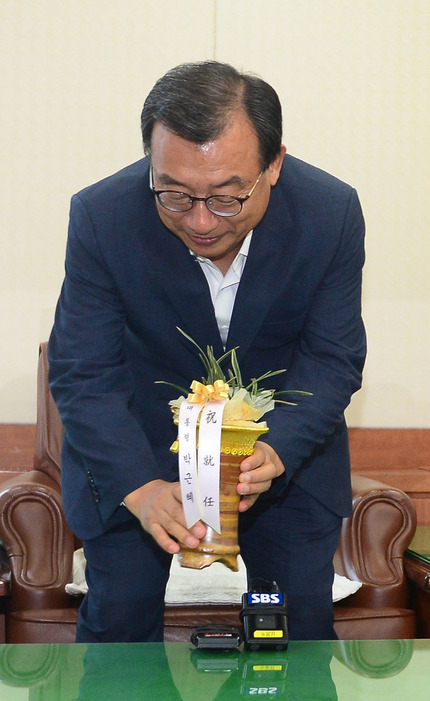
pixel 89 377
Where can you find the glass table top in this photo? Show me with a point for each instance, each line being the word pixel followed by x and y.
pixel 344 670
pixel 420 545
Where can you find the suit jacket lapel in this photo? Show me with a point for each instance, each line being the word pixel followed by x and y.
pixel 272 245
pixel 172 265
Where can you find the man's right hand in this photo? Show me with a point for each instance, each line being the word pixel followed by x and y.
pixel 158 506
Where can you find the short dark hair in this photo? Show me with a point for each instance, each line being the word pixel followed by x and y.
pixel 196 101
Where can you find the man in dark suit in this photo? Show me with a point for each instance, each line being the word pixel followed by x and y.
pixel 219 233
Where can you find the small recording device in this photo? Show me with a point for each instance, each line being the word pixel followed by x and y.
pixel 264 616
pixel 217 637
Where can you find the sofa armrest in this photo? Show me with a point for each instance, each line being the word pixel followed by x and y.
pixel 49 427
pixel 373 541
pixel 37 540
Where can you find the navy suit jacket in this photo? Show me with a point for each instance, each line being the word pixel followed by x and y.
pixel 130 282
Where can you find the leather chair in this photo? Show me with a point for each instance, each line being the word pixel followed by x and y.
pixel 39 546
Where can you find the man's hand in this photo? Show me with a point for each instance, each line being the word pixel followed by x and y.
pixel 256 474
pixel 158 506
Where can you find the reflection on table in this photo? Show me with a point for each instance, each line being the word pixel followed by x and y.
pixel 353 670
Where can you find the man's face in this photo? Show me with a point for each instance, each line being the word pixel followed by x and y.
pixel 227 166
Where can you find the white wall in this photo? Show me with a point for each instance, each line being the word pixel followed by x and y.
pixel 354 82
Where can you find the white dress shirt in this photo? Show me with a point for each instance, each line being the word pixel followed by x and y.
pixel 223 288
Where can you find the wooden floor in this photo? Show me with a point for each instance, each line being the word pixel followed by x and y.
pixel 400 457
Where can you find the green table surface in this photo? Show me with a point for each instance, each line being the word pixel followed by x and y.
pixel 352 670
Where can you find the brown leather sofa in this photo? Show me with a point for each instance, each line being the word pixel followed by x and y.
pixel 39 547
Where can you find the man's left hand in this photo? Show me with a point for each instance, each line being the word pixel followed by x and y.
pixel 256 474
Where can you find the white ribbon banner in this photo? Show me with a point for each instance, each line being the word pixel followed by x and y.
pixel 209 462
pixel 200 481
pixel 187 458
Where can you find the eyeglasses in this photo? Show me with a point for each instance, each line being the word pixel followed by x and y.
pixel 222 205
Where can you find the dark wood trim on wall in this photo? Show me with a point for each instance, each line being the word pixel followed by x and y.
pixel 394 448
pixel 17 446
pixel 400 457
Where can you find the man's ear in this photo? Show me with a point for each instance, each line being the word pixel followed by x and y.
pixel 276 165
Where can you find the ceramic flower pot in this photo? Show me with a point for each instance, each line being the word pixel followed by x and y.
pixel 236 443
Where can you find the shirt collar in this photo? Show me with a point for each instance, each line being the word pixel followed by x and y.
pixel 237 264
